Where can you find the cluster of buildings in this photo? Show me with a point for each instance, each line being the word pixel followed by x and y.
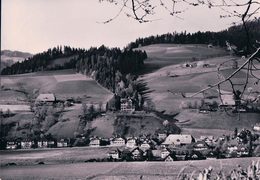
pixel 172 147
pixel 31 144
pixel 161 147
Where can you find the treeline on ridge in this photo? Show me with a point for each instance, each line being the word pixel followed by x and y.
pixel 235 35
pixel 101 63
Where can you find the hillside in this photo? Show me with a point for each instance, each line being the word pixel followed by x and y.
pixel 176 71
pixel 10 57
pixel 65 84
pixel 162 55
pixel 168 76
pixel 236 35
pixel 102 63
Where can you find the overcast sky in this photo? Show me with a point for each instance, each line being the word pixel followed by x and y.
pixel 36 25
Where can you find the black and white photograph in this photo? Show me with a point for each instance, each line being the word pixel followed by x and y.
pixel 130 90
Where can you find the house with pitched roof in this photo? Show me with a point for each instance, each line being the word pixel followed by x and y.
pixel 94 142
pixel 47 99
pixel 43 143
pixel 114 154
pixel 117 141
pixel 131 142
pixel 170 158
pixel 200 146
pixel 137 154
pixel 127 105
pixel 178 139
pixel 165 152
pixel 11 145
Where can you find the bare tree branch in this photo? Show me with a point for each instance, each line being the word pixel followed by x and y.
pixel 230 76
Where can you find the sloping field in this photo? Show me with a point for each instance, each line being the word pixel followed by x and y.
pixel 171 83
pixel 161 55
pixel 167 91
pixel 137 125
pixel 64 84
pixel 104 127
pixel 171 78
pixel 12 97
pixel 216 120
pixel 68 124
pixel 122 170
pixel 21 125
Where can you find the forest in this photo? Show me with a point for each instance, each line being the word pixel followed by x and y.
pixel 100 63
pixel 235 35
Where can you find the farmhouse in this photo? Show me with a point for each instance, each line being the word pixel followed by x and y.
pixel 62 143
pixel 200 146
pixel 94 142
pixel 256 127
pixel 235 149
pixel 196 155
pixel 181 153
pixel 127 105
pixel 209 140
pixel 137 154
pixel 165 152
pixel 51 144
pixel 145 145
pixel 11 145
pixel 131 143
pixel 156 153
pixel 42 143
pixel 170 158
pixel 27 144
pixel 118 141
pixel 178 139
pixel 46 98
pixel 161 135
pixel 114 154
pixel 232 145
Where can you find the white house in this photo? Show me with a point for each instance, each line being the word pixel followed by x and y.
pixel 62 143
pixel 162 135
pixel 131 143
pixel 94 142
pixel 256 127
pixel 11 145
pixel 27 144
pixel 118 141
pixel 114 154
pixel 42 144
pixel 127 105
pixel 164 153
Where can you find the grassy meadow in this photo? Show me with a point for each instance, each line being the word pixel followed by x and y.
pixel 172 83
pixel 121 170
pixel 161 55
pixel 63 83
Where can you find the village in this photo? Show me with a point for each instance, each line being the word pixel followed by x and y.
pixel 160 147
pixel 163 145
